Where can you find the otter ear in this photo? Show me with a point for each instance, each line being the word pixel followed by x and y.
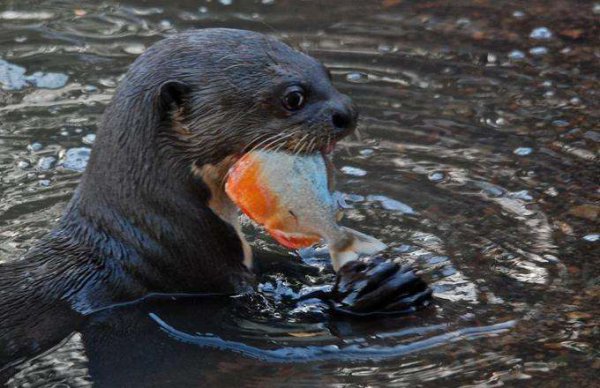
pixel 171 94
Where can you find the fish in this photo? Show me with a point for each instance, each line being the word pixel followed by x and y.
pixel 289 195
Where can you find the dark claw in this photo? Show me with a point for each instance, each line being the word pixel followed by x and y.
pixel 378 287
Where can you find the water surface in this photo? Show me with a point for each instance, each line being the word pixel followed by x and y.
pixel 476 161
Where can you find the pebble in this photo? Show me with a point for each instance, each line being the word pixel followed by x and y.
pixel 538 51
pixel 516 55
pixel 354 171
pixel 391 204
pixel 592 237
pixel 89 139
pixel 35 147
pixel 523 151
pixel 23 164
pixel 541 33
pixel 46 163
pixel 357 77
pixel 76 159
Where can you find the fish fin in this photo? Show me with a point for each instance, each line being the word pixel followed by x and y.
pixel 359 244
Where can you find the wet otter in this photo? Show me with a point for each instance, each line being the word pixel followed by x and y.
pixel 149 215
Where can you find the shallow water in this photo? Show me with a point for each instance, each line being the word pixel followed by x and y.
pixel 476 161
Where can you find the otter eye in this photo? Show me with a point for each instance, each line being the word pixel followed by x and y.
pixel 294 98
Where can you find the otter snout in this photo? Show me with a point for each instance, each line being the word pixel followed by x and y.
pixel 343 116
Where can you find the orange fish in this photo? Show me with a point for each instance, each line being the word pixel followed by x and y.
pixel 290 197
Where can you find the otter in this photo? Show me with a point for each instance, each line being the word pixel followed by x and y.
pixel 150 214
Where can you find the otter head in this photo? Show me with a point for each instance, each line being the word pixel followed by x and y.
pixel 229 91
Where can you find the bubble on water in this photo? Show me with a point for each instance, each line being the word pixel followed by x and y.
pixel 109 83
pixel 89 139
pixel 281 289
pixel 523 151
pixel 516 55
pixel 46 163
pixel 518 14
pixel 75 159
pixel 165 24
pixel 48 80
pixel 354 171
pixel 405 248
pixel 391 204
pixel 463 22
pixel 385 48
pixel 541 33
pixel 226 2
pixel 35 147
pixel 538 51
pixel 490 189
pixel 436 176
pixel 575 101
pixel 560 123
pixel 90 88
pixel 134 48
pixel 522 195
pixel 64 133
pixel 357 77
pixel 593 237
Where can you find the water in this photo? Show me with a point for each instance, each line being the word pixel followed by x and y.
pixel 473 117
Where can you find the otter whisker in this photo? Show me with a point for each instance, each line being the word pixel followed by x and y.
pixel 302 144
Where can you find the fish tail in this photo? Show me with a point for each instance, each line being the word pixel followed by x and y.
pixel 351 246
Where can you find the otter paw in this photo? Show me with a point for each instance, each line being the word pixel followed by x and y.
pixel 378 286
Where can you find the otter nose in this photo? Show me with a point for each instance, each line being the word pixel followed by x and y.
pixel 344 116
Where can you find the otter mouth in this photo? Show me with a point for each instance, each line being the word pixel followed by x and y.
pixel 296 145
